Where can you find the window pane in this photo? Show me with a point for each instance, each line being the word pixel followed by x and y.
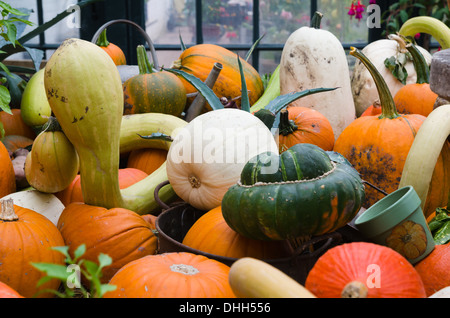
pixel 69 27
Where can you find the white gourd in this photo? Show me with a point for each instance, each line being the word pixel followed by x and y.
pixel 314 58
pixel 207 155
pixel 363 87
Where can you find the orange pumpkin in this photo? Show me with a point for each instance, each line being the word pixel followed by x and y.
pixel 211 234
pixel 14 142
pixel 14 124
pixel 433 269
pixel 73 193
pixel 172 275
pixel 8 292
pixel 7 175
pixel 120 233
pixel 372 110
pixel 364 270
pixel 146 159
pixel 377 146
pixel 304 125
pixel 199 60
pixel 27 236
pixel 113 50
pixel 153 91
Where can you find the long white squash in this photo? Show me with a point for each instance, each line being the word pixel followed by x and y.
pixel 313 58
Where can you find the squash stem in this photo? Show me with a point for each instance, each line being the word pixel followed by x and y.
pixel 286 126
pixel 388 109
pixel 52 125
pixel 145 67
pixel 102 39
pixel 316 20
pixel 7 212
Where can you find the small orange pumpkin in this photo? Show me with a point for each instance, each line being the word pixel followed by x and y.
pixel 113 50
pixel 211 234
pixel 14 124
pixel 27 236
pixel 120 233
pixel 14 142
pixel 364 270
pixel 146 159
pixel 304 125
pixel 8 292
pixel 172 275
pixel 7 175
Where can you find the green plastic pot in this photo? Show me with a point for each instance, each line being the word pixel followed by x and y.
pixel 397 221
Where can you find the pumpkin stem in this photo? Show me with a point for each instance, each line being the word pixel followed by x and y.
pixel 316 20
pixel 184 269
pixel 7 212
pixel 52 125
pixel 102 39
pixel 286 125
pixel 145 67
pixel 354 289
pixel 420 64
pixel 388 109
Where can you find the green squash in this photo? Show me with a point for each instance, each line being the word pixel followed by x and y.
pixel 308 194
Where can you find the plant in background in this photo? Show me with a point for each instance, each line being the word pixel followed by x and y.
pixel 69 278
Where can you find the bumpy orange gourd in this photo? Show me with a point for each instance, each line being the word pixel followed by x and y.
pixel 199 60
pixel 146 159
pixel 113 50
pixel 364 270
pixel 14 124
pixel 211 234
pixel 304 125
pixel 73 193
pixel 120 233
pixel 7 175
pixel 172 275
pixel 27 236
pixel 433 269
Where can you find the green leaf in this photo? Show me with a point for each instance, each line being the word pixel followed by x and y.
pixel 183 47
pixel 6 7
pixel 106 288
pixel 249 53
pixel 79 252
pixel 104 260
pixel 63 250
pixel 245 103
pixel 11 31
pixel 52 270
pixel 207 92
pixel 5 99
pixel 91 267
pixel 442 235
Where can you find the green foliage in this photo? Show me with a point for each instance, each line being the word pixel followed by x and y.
pixel 440 226
pixel 68 274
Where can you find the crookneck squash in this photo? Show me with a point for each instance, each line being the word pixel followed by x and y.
pixel 89 107
pixel 300 193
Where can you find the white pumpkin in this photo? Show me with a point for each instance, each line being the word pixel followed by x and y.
pixel 314 58
pixel 207 155
pixel 364 91
pixel 46 204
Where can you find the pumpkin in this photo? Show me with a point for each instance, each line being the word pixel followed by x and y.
pixel 94 92
pixel 27 236
pixel 253 278
pixel 364 270
pixel 34 107
pixel 14 142
pixel 113 50
pixel 199 59
pixel 363 87
pixel 74 193
pixel 433 269
pixel 300 193
pixel 207 155
pixel 311 58
pixel 120 233
pixel 416 98
pixel 377 146
pixel 7 175
pixel 427 166
pixel 52 163
pixel 146 159
pixel 172 275
pixel 153 92
pixel 304 125
pixel 13 124
pixel 211 234
pixel 8 292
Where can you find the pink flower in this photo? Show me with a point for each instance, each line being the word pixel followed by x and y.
pixel 417 36
pixel 372 2
pixel 286 15
pixel 231 34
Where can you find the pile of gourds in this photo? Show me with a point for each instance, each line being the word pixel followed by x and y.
pixel 275 165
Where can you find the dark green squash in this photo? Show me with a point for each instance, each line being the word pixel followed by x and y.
pixel 324 195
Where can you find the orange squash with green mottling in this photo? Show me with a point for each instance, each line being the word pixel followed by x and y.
pixel 153 92
pixel 199 59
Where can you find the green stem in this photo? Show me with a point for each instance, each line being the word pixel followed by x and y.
pixel 145 67
pixel 316 20
pixel 52 124
pixel 102 39
pixel 388 109
pixel 286 126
